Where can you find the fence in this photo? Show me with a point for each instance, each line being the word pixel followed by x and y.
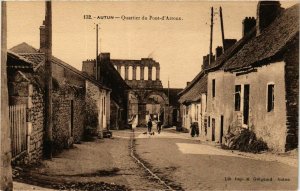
pixel 18 127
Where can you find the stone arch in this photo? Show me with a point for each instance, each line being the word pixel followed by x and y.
pixel 161 94
pixel 156 102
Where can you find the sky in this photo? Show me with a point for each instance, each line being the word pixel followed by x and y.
pixel 178 45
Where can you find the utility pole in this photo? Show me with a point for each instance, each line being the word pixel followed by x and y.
pixel 211 35
pixel 5 136
pixel 48 146
pixel 222 29
pixel 97 72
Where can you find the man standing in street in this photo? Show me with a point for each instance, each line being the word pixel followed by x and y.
pixel 149 125
pixel 159 126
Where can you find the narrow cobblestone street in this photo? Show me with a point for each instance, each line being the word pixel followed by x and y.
pixel 166 161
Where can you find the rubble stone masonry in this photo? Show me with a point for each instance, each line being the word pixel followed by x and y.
pixel 36 123
pixel 61 122
pixel 292 95
pixel 78 120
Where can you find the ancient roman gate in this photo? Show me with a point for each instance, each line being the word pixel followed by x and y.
pixel 146 98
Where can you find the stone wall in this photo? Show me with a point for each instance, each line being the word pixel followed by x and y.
pixel 61 122
pixel 100 98
pixel 220 105
pixel 36 115
pixel 292 95
pixel 22 91
pixel 78 120
pixel 270 126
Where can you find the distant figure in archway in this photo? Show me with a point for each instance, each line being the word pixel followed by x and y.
pixel 149 125
pixel 134 122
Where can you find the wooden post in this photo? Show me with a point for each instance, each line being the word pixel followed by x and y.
pixel 5 149
pixel 48 145
pixel 222 29
pixel 211 34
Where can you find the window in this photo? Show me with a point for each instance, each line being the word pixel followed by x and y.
pixel 270 104
pixel 237 98
pixel 213 88
pixel 208 121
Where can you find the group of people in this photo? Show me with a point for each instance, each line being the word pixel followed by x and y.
pixel 150 124
pixel 133 122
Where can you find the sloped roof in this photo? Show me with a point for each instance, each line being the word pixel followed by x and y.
pixel 221 59
pixel 271 41
pixel 194 94
pixel 16 61
pixel 251 49
pixel 24 48
pixel 37 59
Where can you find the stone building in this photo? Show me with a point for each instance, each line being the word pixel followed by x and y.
pixel 143 93
pixel 109 76
pixel 254 84
pixel 193 103
pixel 264 78
pixel 72 92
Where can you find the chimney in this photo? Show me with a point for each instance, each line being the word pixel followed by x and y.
pixel 267 11
pixel 205 62
pixel 43 37
pixel 219 51
pixel 88 67
pixel 248 24
pixel 228 43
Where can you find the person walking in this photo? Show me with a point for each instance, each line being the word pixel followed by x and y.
pixel 149 125
pixel 158 126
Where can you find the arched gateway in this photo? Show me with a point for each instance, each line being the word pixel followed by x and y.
pixel 146 97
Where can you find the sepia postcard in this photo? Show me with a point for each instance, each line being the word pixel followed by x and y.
pixel 149 95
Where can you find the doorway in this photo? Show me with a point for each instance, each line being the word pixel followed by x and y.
pixel 221 128
pixel 246 104
pixel 213 123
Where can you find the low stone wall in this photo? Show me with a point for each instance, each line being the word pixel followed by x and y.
pixel 292 95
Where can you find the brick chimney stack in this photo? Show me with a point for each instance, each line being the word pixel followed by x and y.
pixel 43 37
pixel 219 51
pixel 267 11
pixel 248 24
